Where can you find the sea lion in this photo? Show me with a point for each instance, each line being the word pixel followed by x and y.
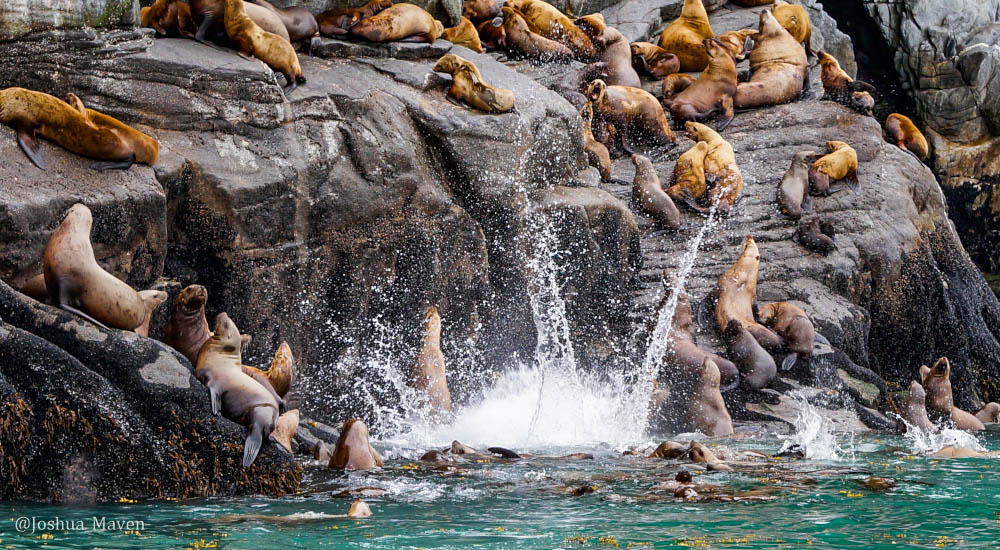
pixel 837 84
pixel 237 396
pixel 794 19
pixel 187 327
pixel 706 411
pixel 468 87
pixel 435 455
pixel 738 43
pixel 398 23
pixel 649 197
pixel 250 39
pixel 321 453
pixel 552 24
pixel 902 132
pixel 612 48
pixel 675 84
pixel 354 451
pixel 281 375
pixel 793 190
pixel 521 39
pixel 668 450
pixel 428 372
pixel 841 163
pixel 337 22
pixel 756 366
pixel 793 326
pixel 480 10
pixel 152 300
pixel 736 292
pixel 298 20
pixel 712 94
pixel 701 455
pixel 76 283
pixel 492 34
pixel 966 421
pixel 209 15
pixel 284 429
pixel 77 129
pixel 635 114
pixel 684 36
pixel 689 174
pixel 459 448
pixel 720 168
pixel 815 235
pixel 752 3
pixel 597 153
pixel 952 451
pixel 777 66
pixel 862 102
pixel 989 414
pixel 915 408
pixel 464 34
pixel 35 288
pixel 652 60
pixel 937 382
pixel 169 18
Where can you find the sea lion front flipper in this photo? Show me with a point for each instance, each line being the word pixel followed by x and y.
pixel 73 310
pixel 32 147
pixel 215 397
pixel 789 361
pixel 807 203
pixel 505 453
pixel 255 438
pixel 860 86
pixel 727 113
pixel 911 153
pixel 103 165
pixel 706 309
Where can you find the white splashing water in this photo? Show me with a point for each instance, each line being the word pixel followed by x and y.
pixel 814 433
pixel 924 441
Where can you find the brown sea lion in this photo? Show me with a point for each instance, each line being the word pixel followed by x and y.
pixel 712 94
pixel 752 3
pixel 675 84
pixel 793 190
pixel 668 450
pixel 652 60
pixel 399 23
pixel 700 454
pixel 915 408
pixel 281 375
pixel 966 421
pixel 777 67
pixel 795 20
pixel 464 34
pixel 720 168
pixel 597 153
pixel 170 18
pixel 554 25
pixel 689 174
pixel 837 84
pixel 354 451
pixel 841 163
pixel 250 39
pixel 756 366
pixel 793 325
pixel 612 48
pixel 209 15
pixel 337 22
pixel 862 102
pixel 989 414
pixel 902 132
pixel 480 10
pixel 685 35
pixel 298 20
pixel 649 197
pixel 635 114
pixel 937 382
pixel 736 292
pixel 468 87
pixel 428 372
pixel 187 327
pixel 521 39
pixel 237 396
pixel 79 130
pixel 706 411
pixel 152 300
pixel 35 288
pixel 738 43
pixel 76 283
pixel 492 34
pixel 284 429
pixel 813 235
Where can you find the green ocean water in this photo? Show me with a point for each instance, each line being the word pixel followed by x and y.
pixel 815 503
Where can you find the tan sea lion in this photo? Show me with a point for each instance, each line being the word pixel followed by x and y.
pixel 738 43
pixel 915 408
pixel 720 168
pixel 689 174
pixel 597 153
pixel 281 375
pixel 521 38
pixel 635 114
pixel 706 411
pixel 468 87
pixel 937 383
pixel 152 300
pixel 989 414
pixel 79 130
pixel 669 450
pixel 902 132
pixel 169 18
pixel 700 454
pixel 675 84
pixel 649 197
pixel 652 60
pixel 837 84
pixel 966 421
pixel 795 20
pixel 612 48
pixel 952 451
pixel 712 94
pixel 480 10
pixel 321 452
pixel 354 451
pixel 76 283
pixel 736 292
pixel 464 34
pixel 237 396
pixel 756 366
pixel 298 20
pixel 841 163
pixel 399 23
pixel 209 15
pixel 777 67
pixel 684 36
pixel 250 39
pixel 793 326
pixel 337 22
pixel 554 25
pixel 428 372
pixel 284 429
pixel 815 235
pixel 793 190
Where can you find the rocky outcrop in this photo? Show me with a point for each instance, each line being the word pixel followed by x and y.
pixel 21 17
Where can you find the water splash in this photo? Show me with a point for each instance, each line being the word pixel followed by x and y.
pixel 923 441
pixel 814 433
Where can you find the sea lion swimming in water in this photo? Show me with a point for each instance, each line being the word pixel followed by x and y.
pixel 354 451
pixel 793 326
pixel 940 404
pixel 684 36
pixel 700 454
pixel 915 408
pixel 706 411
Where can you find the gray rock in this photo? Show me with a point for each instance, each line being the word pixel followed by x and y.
pixel 20 17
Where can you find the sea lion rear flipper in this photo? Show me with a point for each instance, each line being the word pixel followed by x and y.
pixel 860 86
pixel 911 153
pixel 706 309
pixel 789 361
pixel 505 453
pixel 727 113
pixel 807 203
pixel 853 184
pixel 32 147
pixel 103 165
pixel 216 398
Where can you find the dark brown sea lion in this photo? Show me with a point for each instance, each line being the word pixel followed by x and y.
pixel 793 326
pixel 793 190
pixel 720 168
pixel 492 34
pixel 915 408
pixel 902 132
pixel 706 411
pixel 794 19
pixel 554 25
pixel 298 20
pixel 170 18
pixel 187 327
pixel 669 450
pixel 237 396
pixel 522 39
pixel 427 375
pixel 684 36
pixel 841 163
pixel 337 22
pixel 815 236
pixel 597 153
pixel 612 49
pixel 284 429
pixel 480 10
pixel 635 114
pixel 756 366
pixel 675 84
pixel 649 197
pixel 989 413
pixel 464 34
pixel 777 66
pixel 209 15
pixel 689 174
pixel 76 283
pixel 152 300
pixel 652 60
pixel 399 23
pixel 250 39
pixel 354 451
pixel 712 94
pixel 736 292
pixel 468 87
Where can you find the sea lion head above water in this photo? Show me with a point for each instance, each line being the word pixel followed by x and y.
pixel 354 450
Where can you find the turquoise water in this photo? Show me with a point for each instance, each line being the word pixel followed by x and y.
pixel 489 504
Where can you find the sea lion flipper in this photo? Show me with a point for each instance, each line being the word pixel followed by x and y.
pixel 72 309
pixel 727 114
pixel 706 309
pixel 252 446
pixel 852 183
pixel 789 361
pixel 103 165
pixel 216 398
pixel 807 203
pixel 860 86
pixel 31 146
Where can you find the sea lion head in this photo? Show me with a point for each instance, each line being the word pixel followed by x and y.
pixel 710 375
pixel 432 320
pixel 587 112
pixel 153 298
pixel 769 26
pixel 714 48
pixel 863 102
pixel 750 247
pixel 700 453
pixel 638 161
pixel 941 368
pixel 767 313
pixel 834 146
pixel 447 64
pixel 826 59
pixel 192 298
pixel 226 336
pixel 805 157
pixel 917 394
pixel 80 217
pixel 596 91
pixel 359 509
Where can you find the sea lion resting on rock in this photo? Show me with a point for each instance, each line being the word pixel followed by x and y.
pixel 281 375
pixel 612 48
pixel 756 366
pixel 712 93
pixel 337 22
pixel 793 326
pixel 675 84
pixel 902 132
pixel 816 235
pixel 837 84
pixel 284 429
pixel 492 34
pixel 940 404
pixel 777 65
pixel 209 15
pixel 736 292
pixel 794 19
pixel 399 23
pixel 298 20
pixel 187 327
pixel 464 34
pixel 684 36
pixel 552 24
pixel 428 372
pixel 720 168
pixel 169 18
pixel 467 86
pixel 793 190
pixel 738 43
pixel 652 60
pixel 649 197
pixel 521 38
pixel 706 411
pixel 354 451
pixel 597 153
pixel 689 174
pixel 237 396
pixel 79 130
pixel 841 163
pixel 480 10
pixel 634 113
pixel 250 39
pixel 862 102
pixel 915 408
